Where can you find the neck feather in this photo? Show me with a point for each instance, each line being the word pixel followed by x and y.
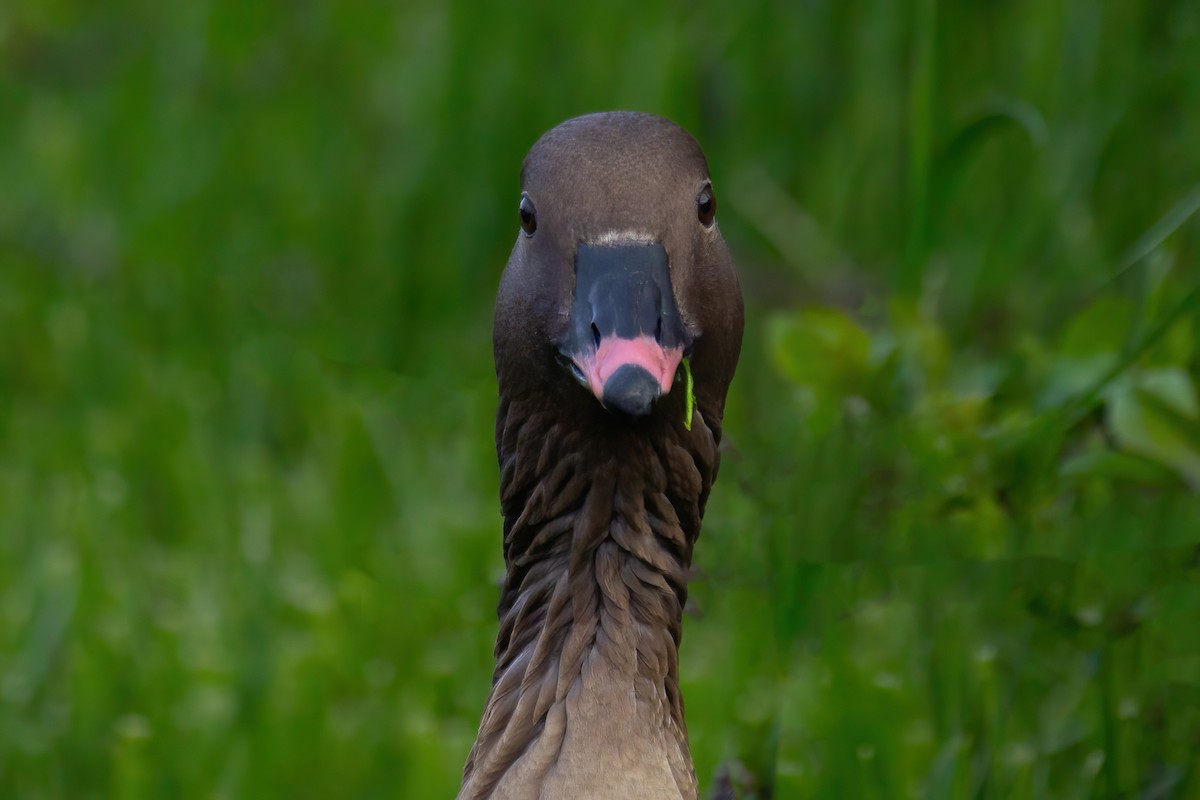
pixel 600 520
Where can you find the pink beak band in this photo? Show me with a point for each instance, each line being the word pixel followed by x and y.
pixel 619 361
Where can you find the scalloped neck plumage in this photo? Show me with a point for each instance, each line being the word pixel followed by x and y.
pixel 600 520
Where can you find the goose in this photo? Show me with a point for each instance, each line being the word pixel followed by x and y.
pixel 617 330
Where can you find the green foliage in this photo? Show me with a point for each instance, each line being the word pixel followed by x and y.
pixel 248 532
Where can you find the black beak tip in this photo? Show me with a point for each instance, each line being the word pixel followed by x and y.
pixel 631 390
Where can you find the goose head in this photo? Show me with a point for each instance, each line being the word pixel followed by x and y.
pixel 619 274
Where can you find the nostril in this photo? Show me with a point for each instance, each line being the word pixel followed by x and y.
pixel 596 335
pixel 658 331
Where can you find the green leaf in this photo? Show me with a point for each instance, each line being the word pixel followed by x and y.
pixel 1101 329
pixel 822 349
pixel 925 353
pixel 1155 413
pixel 690 409
pixel 1110 465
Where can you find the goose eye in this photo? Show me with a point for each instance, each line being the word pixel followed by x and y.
pixel 706 206
pixel 528 215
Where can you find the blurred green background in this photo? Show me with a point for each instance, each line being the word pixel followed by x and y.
pixel 249 529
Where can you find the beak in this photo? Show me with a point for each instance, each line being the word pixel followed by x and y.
pixel 625 338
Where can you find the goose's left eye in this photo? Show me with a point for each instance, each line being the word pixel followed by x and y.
pixel 528 215
pixel 706 206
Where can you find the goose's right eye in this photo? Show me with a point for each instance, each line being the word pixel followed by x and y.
pixel 528 215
